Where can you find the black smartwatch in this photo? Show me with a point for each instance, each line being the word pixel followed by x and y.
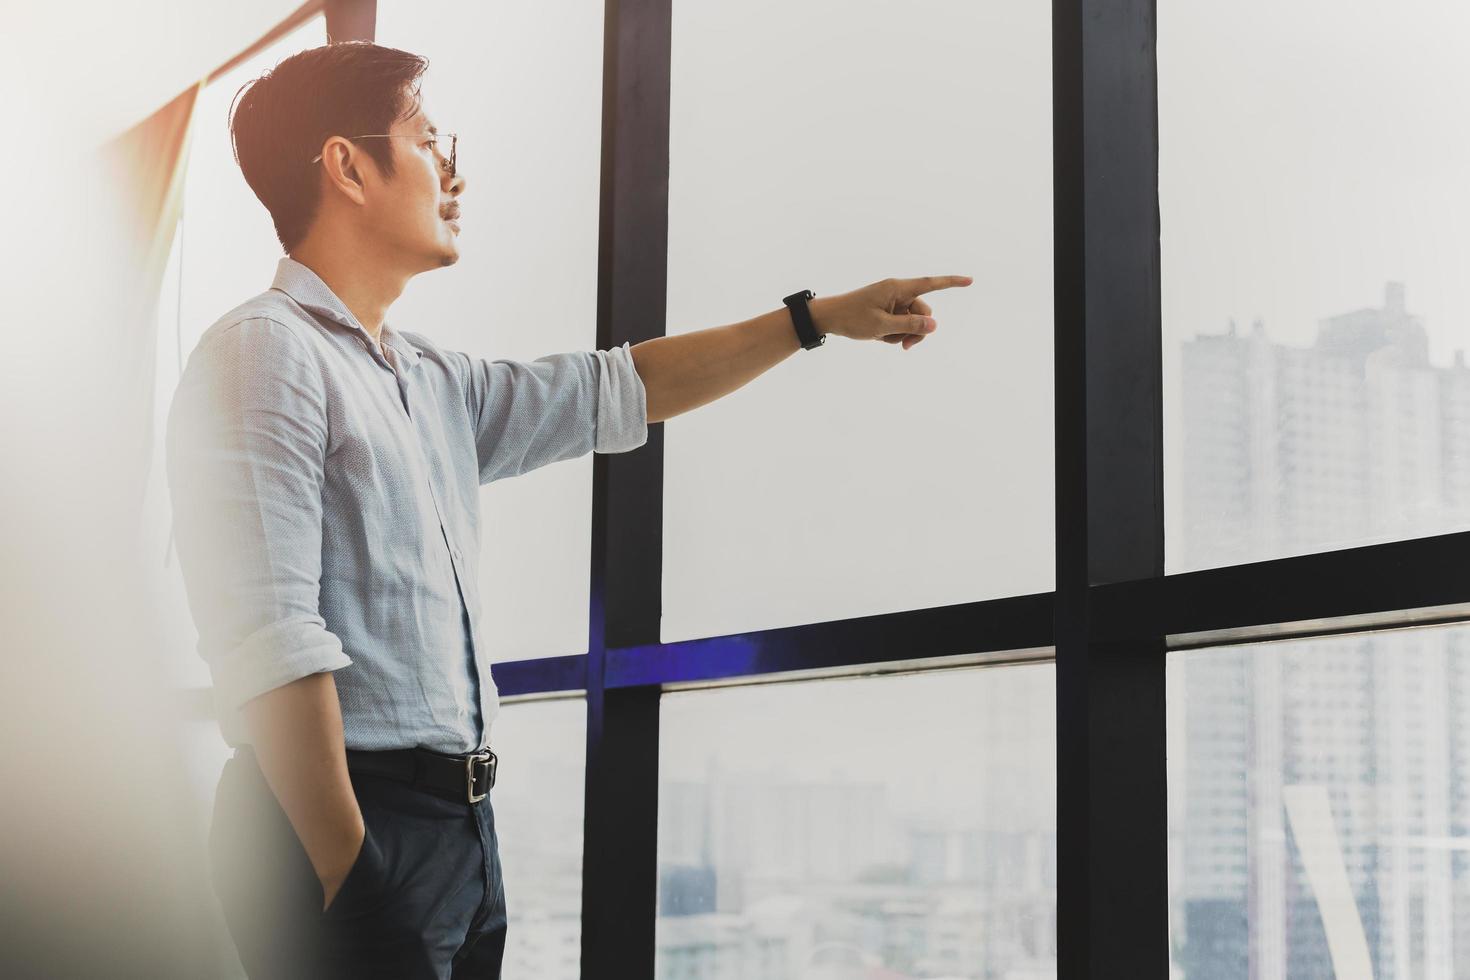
pixel 806 331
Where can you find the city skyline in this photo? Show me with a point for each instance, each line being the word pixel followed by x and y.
pixel 835 823
pixel 1290 449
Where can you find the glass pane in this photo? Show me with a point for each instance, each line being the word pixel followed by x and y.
pixel 859 826
pixel 1314 297
pixel 522 86
pixel 538 819
pixel 1318 822
pixel 859 478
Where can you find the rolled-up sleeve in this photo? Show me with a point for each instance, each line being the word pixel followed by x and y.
pixel 246 450
pixel 529 414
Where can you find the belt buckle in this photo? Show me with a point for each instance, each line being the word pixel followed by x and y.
pixel 489 759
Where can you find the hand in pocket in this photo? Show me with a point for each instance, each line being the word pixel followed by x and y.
pixel 333 881
pixel 360 879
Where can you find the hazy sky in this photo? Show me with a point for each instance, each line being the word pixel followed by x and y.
pixel 1310 151
pixel 860 478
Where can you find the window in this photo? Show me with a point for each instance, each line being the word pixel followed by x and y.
pixel 1314 303
pixel 885 479
pixel 1317 807
pixel 538 820
pixel 831 827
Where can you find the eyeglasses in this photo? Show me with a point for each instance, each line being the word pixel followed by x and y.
pixel 433 138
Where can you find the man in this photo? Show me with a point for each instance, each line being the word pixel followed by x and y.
pixel 325 470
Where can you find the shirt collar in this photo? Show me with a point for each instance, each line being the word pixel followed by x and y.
pixel 307 288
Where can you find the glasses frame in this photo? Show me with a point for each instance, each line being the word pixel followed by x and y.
pixel 449 161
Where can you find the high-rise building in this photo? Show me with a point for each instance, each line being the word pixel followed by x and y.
pixel 1357 438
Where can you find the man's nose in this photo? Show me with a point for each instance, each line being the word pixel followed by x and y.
pixel 456 185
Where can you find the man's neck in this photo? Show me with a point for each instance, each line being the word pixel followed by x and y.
pixel 364 288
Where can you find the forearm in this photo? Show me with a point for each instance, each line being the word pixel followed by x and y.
pixel 297 733
pixel 684 371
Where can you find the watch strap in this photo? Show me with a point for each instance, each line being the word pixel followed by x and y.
pixel 801 316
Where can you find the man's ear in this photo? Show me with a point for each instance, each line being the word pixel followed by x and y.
pixel 341 161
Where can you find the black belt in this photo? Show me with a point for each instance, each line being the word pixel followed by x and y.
pixel 462 778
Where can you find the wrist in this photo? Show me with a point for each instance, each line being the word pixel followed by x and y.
pixel 823 314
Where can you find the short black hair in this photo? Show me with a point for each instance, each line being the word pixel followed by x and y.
pixel 280 120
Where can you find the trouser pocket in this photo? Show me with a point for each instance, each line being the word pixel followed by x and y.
pixel 268 891
pixel 364 887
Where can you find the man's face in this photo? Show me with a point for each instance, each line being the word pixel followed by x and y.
pixel 416 212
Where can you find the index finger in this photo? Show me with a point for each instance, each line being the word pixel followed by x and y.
pixel 927 284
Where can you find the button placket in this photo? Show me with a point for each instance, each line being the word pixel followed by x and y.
pixel 459 582
pixel 401 379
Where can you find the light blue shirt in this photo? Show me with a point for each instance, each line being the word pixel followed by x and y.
pixel 326 503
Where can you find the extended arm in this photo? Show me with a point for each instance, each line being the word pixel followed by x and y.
pixel 684 371
pixel 687 370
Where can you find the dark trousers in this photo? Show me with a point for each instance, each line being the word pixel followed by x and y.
pixel 424 899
